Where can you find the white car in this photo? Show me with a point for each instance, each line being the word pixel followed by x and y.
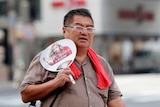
pixel 144 61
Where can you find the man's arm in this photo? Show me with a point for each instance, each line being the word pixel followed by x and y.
pixel 118 102
pixel 35 92
pixel 38 91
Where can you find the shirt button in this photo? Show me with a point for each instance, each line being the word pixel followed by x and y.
pixel 90 106
pixel 86 78
pixel 89 92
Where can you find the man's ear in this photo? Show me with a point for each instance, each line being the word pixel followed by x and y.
pixel 63 30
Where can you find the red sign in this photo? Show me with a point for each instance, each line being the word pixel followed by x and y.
pixel 61 3
pixel 139 14
pixel 58 4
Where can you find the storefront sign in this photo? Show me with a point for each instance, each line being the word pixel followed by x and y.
pixel 139 14
pixel 70 3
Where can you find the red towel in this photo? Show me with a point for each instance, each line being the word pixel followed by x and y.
pixel 103 79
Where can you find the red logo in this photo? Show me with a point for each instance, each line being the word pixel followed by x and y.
pixel 139 14
pixel 69 3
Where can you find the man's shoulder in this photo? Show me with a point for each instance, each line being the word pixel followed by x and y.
pixel 102 59
pixel 105 64
pixel 36 57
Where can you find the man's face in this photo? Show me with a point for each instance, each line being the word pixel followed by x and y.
pixel 82 38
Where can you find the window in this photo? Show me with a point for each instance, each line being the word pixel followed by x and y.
pixel 3 8
pixel 34 9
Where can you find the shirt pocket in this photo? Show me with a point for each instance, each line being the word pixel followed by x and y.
pixel 104 94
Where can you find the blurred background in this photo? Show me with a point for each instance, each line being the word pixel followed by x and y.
pixel 127 35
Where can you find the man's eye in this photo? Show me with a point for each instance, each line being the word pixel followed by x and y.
pixel 80 28
pixel 89 28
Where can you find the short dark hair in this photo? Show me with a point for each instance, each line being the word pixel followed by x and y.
pixel 68 18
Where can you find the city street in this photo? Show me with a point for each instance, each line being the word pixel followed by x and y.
pixel 139 90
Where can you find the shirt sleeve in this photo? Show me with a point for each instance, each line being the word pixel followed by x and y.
pixel 33 74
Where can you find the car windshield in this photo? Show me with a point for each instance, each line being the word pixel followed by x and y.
pixel 143 53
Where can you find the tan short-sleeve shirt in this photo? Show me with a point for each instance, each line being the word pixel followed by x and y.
pixel 84 93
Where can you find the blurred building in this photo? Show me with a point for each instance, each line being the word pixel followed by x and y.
pixel 42 20
pixel 5 43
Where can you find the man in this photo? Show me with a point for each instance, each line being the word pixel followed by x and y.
pixel 94 85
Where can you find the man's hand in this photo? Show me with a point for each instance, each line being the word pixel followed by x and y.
pixel 63 76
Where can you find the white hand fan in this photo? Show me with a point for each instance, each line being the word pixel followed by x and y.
pixel 58 55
